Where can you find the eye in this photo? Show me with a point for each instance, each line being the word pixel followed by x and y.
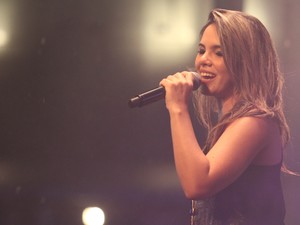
pixel 201 51
pixel 219 53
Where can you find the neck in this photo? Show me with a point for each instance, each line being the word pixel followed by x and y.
pixel 227 104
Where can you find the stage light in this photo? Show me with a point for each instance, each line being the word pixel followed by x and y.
pixel 3 37
pixel 265 11
pixel 168 31
pixel 93 216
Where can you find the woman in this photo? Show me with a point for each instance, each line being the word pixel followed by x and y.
pixel 235 178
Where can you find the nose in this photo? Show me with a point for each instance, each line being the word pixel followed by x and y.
pixel 203 60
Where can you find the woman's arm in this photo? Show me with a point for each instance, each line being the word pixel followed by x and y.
pixel 204 175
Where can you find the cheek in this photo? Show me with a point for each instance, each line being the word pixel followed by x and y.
pixel 225 76
pixel 222 69
pixel 228 83
pixel 221 65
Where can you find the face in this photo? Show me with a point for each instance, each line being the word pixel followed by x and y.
pixel 210 64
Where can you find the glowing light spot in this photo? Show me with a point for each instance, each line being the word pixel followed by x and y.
pixel 3 37
pixel 93 216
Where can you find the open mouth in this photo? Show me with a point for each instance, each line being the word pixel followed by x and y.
pixel 207 76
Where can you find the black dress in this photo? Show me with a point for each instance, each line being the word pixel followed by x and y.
pixel 255 198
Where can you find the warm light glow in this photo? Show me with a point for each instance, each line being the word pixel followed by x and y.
pixel 269 12
pixel 7 23
pixel 169 31
pixel 3 37
pixel 93 216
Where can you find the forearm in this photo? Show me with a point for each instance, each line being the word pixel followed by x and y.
pixel 191 164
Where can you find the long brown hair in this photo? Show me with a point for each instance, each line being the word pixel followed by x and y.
pixel 252 61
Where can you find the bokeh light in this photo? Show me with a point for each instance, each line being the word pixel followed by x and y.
pixel 93 216
pixel 3 37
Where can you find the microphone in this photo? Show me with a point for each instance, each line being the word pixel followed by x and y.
pixel 156 94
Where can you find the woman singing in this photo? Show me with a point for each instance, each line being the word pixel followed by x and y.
pixel 235 178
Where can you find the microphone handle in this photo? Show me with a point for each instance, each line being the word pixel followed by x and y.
pixel 147 97
pixel 157 94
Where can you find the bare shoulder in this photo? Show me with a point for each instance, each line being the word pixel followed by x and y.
pixel 253 123
pixel 257 128
pixel 248 136
pixel 264 134
pixel 245 136
pixel 247 140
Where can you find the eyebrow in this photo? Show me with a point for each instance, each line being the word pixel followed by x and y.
pixel 212 47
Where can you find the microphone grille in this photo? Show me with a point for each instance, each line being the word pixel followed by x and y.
pixel 196 80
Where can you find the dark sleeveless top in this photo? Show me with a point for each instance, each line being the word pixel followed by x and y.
pixel 255 198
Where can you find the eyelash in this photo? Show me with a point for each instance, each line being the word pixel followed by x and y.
pixel 201 51
pixel 218 53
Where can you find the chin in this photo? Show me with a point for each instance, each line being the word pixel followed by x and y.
pixel 204 90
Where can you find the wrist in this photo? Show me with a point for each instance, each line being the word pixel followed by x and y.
pixel 178 110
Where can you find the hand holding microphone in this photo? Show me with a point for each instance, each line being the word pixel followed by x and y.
pixel 156 94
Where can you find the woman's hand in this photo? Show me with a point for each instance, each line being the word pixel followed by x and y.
pixel 178 90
